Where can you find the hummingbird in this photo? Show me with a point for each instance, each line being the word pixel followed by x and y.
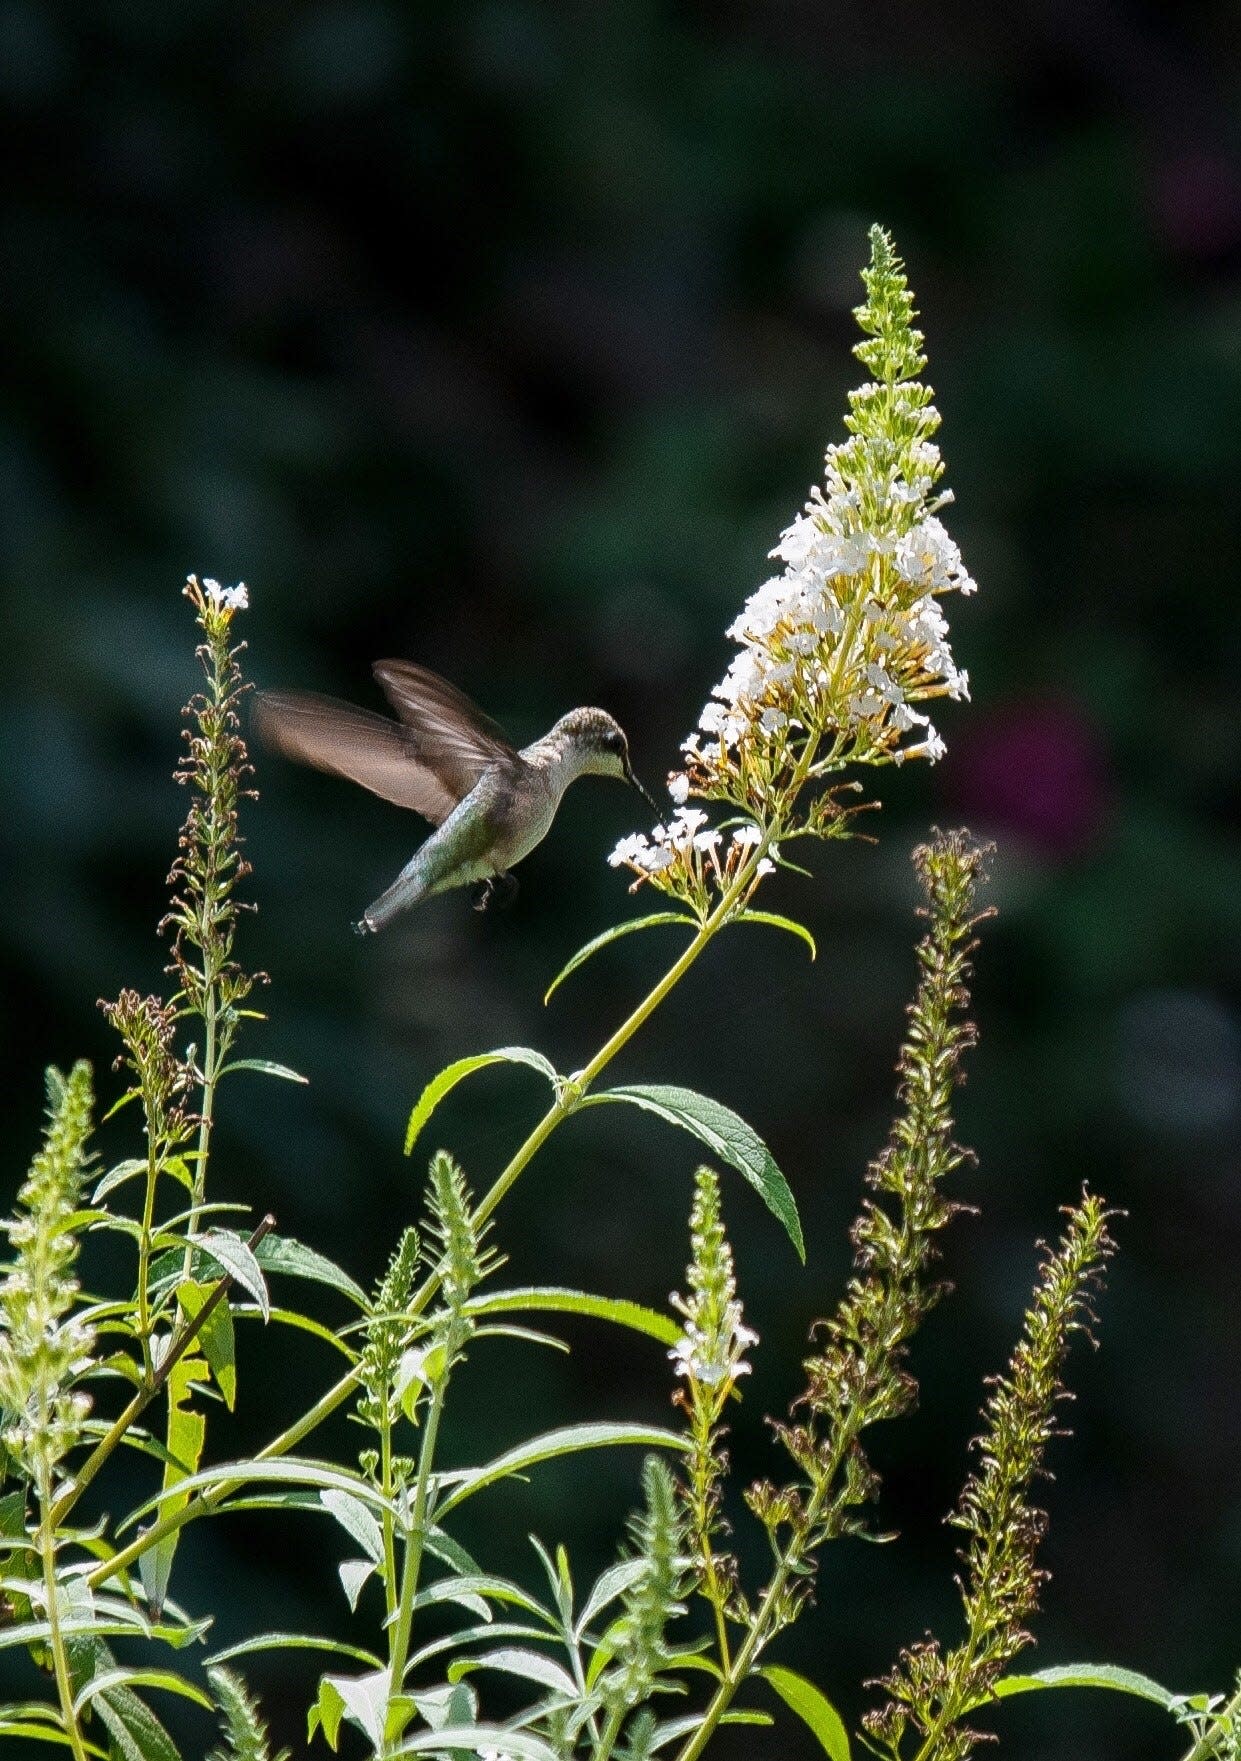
pixel 489 803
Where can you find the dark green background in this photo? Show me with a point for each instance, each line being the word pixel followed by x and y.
pixel 507 337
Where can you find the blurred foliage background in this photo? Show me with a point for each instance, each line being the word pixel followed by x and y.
pixel 507 336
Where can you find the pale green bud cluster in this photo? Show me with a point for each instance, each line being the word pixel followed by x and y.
pixel 43 1345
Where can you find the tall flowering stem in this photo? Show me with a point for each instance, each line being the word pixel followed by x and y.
pixel 45 1347
pixel 209 864
pixel 860 1376
pixel 931 1693
pixel 710 1357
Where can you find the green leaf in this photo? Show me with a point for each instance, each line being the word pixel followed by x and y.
pixel 1087 1675
pixel 187 1432
pixel 532 1666
pixel 613 935
pixel 449 1077
pixel 236 1259
pixel 682 1727
pixel 552 1299
pixel 363 1700
pixel 777 922
pixel 215 1337
pixel 291 1642
pixel 356 1520
pixel 813 1708
pixel 725 1134
pixel 518 1744
pixel 568 1440
pixel 285 1470
pixel 137 1735
pixel 607 1587
pixel 142 1678
pixel 265 1067
pixel 280 1253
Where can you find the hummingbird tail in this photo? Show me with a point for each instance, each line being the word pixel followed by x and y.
pixel 406 890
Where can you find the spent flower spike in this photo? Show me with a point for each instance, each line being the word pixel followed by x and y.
pixel 838 650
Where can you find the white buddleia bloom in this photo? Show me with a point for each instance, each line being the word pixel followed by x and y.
pixel 837 651
pixel 712 1346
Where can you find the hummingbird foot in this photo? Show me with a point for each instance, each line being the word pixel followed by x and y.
pixel 497 892
pixel 363 927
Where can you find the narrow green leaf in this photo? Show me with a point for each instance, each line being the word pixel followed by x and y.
pixel 142 1678
pixel 813 1708
pixel 607 1587
pixel 117 1176
pixel 187 1432
pixel 613 935
pixel 137 1735
pixel 356 1520
pixel 682 1727
pixel 776 921
pixel 475 1738
pixel 532 1666
pixel 449 1077
pixel 568 1440
pixel 286 1470
pixel 236 1258
pixel 291 1642
pixel 265 1067
pixel 725 1134
pixel 281 1253
pixel 552 1299
pixel 1087 1675
pixel 215 1338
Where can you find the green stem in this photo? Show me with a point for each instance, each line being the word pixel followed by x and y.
pixel 145 1395
pixel 60 1660
pixel 414 1543
pixel 144 1246
pixel 385 1452
pixel 1208 1744
pixel 611 1730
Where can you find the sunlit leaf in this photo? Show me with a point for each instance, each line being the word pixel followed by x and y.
pixel 568 1440
pixel 215 1337
pixel 725 1134
pixel 291 1642
pixel 551 1299
pixel 813 1708
pixel 1087 1675
pixel 280 1253
pixel 236 1258
pixel 264 1067
pixel 187 1432
pixel 518 1744
pixel 452 1074
pixel 776 921
pixel 613 935
pixel 532 1666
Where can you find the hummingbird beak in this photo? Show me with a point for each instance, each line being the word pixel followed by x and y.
pixel 632 780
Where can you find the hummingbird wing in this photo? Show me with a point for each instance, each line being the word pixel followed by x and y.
pixel 389 758
pixel 450 735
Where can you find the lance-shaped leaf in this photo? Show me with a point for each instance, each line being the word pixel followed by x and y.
pixel 187 1432
pixel 1087 1675
pixel 281 1253
pixel 775 921
pixel 725 1134
pixel 551 1299
pixel 452 1074
pixel 813 1708
pixel 568 1440
pixel 613 935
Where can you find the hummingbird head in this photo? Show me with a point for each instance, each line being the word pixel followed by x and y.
pixel 599 746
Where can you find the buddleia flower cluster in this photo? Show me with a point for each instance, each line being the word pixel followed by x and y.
pixel 838 651
pixel 859 1375
pixel 932 1692
pixel 209 864
pixel 710 1356
pixel 44 1344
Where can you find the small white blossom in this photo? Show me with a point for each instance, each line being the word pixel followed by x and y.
pixel 678 787
pixel 224 598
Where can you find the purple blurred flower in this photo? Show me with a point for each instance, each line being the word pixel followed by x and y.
pixel 1037 768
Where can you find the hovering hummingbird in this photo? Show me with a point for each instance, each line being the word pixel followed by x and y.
pixel 490 804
